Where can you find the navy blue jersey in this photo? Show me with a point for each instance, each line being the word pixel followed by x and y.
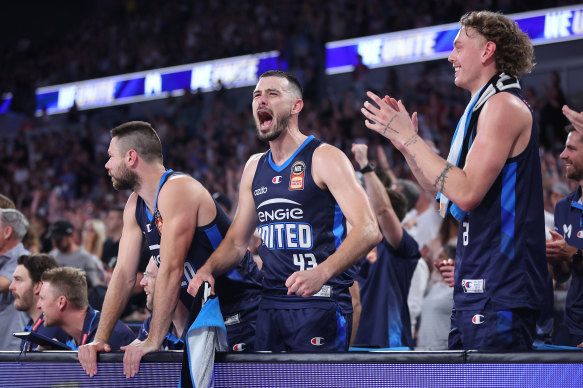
pixel 300 226
pixel 569 223
pixel 171 342
pixel 120 336
pixel 238 290
pixel 384 279
pixel 501 244
pixel 54 332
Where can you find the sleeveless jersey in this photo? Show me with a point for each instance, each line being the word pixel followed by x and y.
pixel 239 290
pixel 569 224
pixel 501 244
pixel 300 226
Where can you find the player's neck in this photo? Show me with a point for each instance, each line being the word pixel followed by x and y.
pixel 149 184
pixel 482 80
pixel 34 313
pixel 73 324
pixel 286 144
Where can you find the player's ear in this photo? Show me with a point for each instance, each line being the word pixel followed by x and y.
pixel 297 106
pixel 489 50
pixel 36 288
pixel 132 157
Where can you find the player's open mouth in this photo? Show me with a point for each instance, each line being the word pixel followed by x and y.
pixel 265 118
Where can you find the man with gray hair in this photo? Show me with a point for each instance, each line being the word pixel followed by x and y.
pixel 13 228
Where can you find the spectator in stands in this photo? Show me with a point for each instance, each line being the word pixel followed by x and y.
pixel 25 288
pixel 436 307
pixel 13 228
pixel 92 240
pixel 68 253
pixel 63 301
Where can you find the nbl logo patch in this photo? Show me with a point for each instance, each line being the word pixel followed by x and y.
pixel 158 220
pixel 371 257
pixel 296 180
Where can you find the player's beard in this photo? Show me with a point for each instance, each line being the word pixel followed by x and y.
pixel 23 302
pixel 276 130
pixel 127 179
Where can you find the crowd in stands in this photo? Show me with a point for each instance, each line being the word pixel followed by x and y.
pixel 53 169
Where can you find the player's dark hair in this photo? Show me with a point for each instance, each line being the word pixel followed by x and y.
pixel 141 137
pixel 399 203
pixel 293 81
pixel 37 264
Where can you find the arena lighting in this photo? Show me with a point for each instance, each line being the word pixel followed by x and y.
pixel 425 44
pixel 229 73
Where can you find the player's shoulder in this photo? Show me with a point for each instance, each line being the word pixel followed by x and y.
pixel 253 160
pixel 252 163
pixel 326 153
pixel 506 106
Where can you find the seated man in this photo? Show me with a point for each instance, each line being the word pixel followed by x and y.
pixel 174 340
pixel 25 288
pixel 63 301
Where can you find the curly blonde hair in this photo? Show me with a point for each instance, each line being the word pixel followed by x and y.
pixel 514 53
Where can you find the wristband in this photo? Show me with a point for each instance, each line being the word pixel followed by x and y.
pixel 368 168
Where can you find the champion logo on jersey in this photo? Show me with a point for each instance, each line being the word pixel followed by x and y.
pixel 478 319
pixel 276 180
pixel 580 234
pixel 296 180
pixel 317 341
pixel 239 347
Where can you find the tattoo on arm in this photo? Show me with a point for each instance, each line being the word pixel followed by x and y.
pixel 412 140
pixel 388 126
pixel 440 181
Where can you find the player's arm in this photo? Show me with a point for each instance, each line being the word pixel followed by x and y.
pixel 119 288
pixel 504 118
pixel 179 206
pixel 234 245
pixel 379 199
pixel 331 169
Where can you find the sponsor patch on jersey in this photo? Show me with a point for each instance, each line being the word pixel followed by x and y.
pixel 276 180
pixel 371 257
pixel 259 191
pixel 473 286
pixel 478 319
pixel 296 180
pixel 325 291
pixel 232 320
pixel 317 341
pixel 580 234
pixel 158 219
pixel 239 347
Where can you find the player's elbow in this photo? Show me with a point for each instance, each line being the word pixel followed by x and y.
pixel 468 202
pixel 373 234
